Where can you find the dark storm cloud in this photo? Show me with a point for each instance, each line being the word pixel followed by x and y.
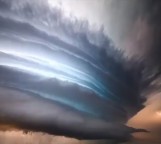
pixel 38 114
pixel 136 27
pixel 152 60
pixel 61 75
pixel 148 30
pixel 29 112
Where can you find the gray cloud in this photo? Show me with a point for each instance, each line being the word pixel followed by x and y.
pixel 31 113
pixel 97 94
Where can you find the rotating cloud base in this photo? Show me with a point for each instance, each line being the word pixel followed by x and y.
pixel 62 82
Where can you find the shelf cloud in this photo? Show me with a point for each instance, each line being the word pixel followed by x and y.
pixel 65 77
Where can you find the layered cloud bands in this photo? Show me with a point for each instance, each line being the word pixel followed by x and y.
pixel 59 75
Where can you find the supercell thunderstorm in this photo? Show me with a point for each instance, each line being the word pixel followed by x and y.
pixel 67 65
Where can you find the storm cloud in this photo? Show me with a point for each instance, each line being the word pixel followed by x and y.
pixel 62 76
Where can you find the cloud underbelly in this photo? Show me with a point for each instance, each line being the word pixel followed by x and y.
pixel 63 82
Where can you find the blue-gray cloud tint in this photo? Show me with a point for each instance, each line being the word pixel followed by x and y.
pixel 61 76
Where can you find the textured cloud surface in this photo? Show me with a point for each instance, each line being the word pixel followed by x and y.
pixel 61 76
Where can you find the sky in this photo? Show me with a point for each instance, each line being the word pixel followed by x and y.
pixel 58 55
